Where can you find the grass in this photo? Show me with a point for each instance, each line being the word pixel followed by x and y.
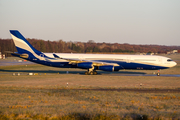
pixel 61 102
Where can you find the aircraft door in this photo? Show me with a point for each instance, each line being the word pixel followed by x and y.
pixel 81 57
pixel 160 60
pixel 128 59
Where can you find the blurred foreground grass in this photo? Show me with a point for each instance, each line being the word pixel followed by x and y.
pixel 66 103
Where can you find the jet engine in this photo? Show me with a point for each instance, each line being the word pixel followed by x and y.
pixel 85 65
pixel 107 68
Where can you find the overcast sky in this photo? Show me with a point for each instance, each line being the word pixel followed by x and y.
pixel 111 21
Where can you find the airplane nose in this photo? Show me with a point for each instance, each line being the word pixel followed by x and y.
pixel 174 64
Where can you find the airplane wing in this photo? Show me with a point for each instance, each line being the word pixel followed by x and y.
pixel 95 63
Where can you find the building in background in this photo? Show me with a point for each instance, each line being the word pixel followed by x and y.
pixel 2 56
pixel 173 51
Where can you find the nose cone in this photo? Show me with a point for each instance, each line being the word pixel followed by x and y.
pixel 174 64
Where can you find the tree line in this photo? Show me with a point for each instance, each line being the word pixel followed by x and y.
pixel 61 46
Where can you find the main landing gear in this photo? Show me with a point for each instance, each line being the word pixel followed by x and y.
pixel 91 72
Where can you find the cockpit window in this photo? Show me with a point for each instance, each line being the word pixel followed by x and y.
pixel 169 60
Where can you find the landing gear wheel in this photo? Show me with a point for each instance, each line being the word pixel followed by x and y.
pixel 158 74
pixel 86 73
pixel 94 73
pixel 91 73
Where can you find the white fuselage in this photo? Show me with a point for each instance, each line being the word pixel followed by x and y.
pixel 140 59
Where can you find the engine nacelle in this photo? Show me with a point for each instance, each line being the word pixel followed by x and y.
pixel 107 68
pixel 85 65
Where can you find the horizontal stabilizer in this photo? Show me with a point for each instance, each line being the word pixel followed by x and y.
pixel 17 54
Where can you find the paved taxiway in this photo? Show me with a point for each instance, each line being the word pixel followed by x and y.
pixel 14 62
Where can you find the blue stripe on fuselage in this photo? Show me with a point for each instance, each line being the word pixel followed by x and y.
pixel 133 65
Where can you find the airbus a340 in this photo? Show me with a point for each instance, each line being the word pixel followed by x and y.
pixel 91 62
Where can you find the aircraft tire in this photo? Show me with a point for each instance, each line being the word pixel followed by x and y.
pixel 86 73
pixel 94 73
pixel 158 74
pixel 91 73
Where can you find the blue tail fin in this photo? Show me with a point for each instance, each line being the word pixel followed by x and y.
pixel 22 45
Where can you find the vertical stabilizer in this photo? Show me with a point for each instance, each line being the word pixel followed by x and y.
pixel 22 45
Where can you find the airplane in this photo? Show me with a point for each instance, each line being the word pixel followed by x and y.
pixel 91 62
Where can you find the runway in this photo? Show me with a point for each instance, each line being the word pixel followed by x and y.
pixel 26 72
pixel 163 75
pixel 7 62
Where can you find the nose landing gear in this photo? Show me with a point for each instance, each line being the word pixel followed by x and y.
pixel 158 73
